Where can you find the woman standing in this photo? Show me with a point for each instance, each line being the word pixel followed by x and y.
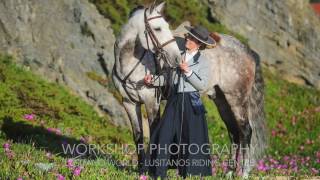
pixel 181 139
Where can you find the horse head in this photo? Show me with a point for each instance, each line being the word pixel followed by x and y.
pixel 154 34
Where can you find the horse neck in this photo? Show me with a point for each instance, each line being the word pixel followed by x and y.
pixel 127 55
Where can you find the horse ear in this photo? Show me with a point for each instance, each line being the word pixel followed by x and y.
pixel 160 7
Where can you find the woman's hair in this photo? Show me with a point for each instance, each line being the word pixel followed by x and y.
pixel 202 46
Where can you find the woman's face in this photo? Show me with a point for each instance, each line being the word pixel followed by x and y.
pixel 192 43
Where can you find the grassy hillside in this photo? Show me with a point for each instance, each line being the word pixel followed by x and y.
pixel 37 118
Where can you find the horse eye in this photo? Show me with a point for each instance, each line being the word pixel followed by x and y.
pixel 157 29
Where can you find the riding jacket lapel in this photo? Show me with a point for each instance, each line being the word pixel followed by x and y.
pixel 194 59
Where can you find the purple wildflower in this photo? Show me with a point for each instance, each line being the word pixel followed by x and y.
pixel 29 117
pixel 77 171
pixel 70 163
pixel 9 154
pixel 58 132
pixel 224 166
pixel 143 177
pixel 54 130
pixel 286 158
pixel 261 166
pixel 6 147
pixel 60 177
pixel 314 171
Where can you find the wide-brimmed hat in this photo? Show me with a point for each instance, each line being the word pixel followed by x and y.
pixel 201 34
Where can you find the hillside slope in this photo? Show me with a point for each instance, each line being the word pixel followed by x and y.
pixel 38 117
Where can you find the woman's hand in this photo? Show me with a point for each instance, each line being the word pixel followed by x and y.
pixel 147 79
pixel 184 67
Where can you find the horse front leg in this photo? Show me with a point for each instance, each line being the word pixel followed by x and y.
pixel 134 113
pixel 153 113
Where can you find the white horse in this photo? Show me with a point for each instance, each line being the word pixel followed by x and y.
pixel 145 32
pixel 236 86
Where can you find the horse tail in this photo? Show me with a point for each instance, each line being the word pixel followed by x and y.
pixel 257 122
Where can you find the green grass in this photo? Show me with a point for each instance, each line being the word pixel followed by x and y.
pixel 22 92
pixel 295 108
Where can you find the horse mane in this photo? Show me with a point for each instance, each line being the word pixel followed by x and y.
pixel 137 8
pixel 215 36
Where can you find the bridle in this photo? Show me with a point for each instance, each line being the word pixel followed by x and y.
pixel 160 54
pixel 159 51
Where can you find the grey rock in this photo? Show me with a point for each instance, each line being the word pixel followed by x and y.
pixel 286 34
pixel 63 40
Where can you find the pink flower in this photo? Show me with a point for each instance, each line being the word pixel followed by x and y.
pixel 261 166
pixel 54 130
pixel 308 158
pixel 293 163
pixel 225 166
pixel 273 161
pixel 302 148
pixel 19 178
pixel 82 139
pixel 295 169
pixel 9 154
pixel 314 171
pixel 214 170
pixel 58 132
pixel 29 117
pixel 294 120
pixel 51 129
pixel 143 177
pixel 286 158
pixel 282 166
pixel 6 147
pixel 274 133
pixel 318 154
pixel 60 177
pixel 70 163
pixel 77 171
pixel 308 141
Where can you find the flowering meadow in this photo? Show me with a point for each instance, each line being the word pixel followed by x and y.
pixel 38 119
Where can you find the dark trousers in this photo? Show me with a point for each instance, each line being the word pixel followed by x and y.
pixel 180 140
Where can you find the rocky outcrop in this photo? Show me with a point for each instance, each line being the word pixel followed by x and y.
pixel 64 41
pixel 286 34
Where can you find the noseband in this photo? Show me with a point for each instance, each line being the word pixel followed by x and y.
pixel 159 51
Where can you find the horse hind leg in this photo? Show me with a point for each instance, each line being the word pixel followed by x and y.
pixel 240 110
pixel 228 117
pixel 134 113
